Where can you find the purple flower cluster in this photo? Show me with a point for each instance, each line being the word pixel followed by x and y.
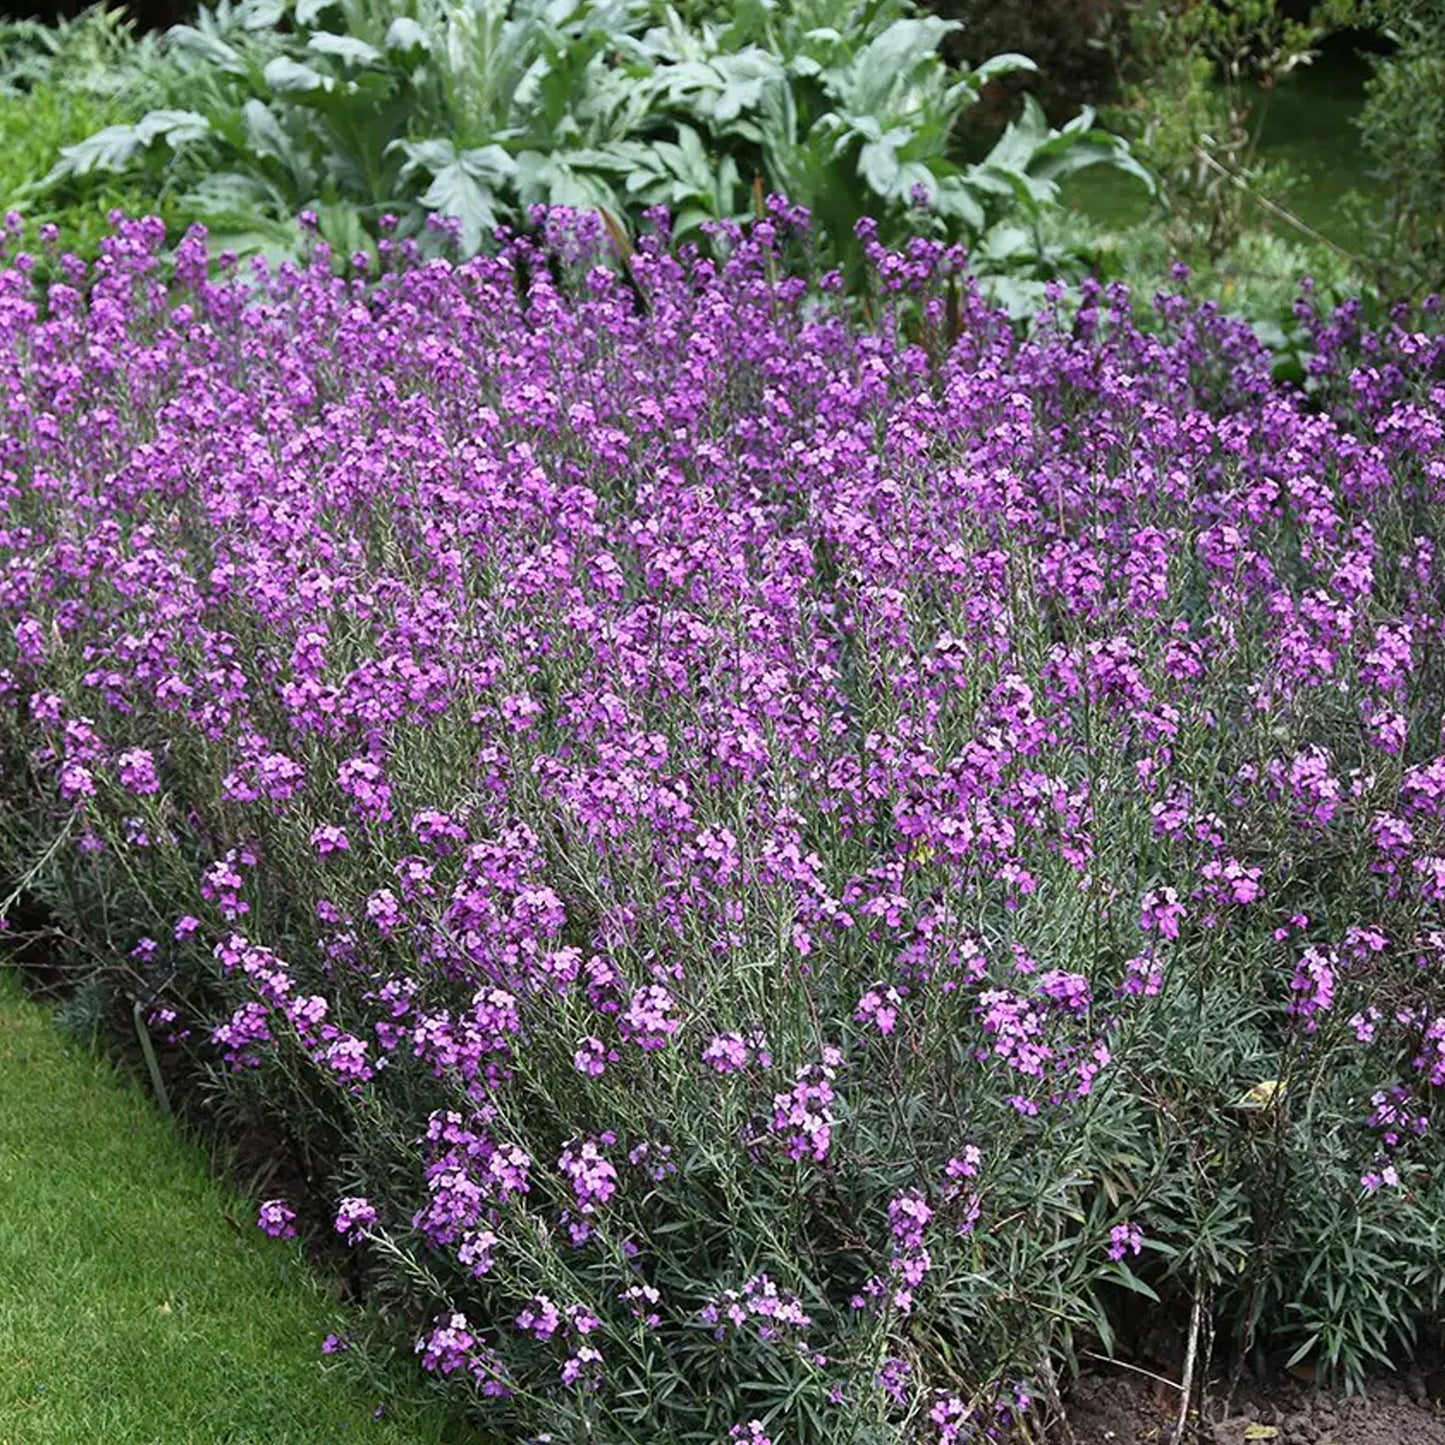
pixel 451 1346
pixel 1124 1239
pixel 685 765
pixel 760 1307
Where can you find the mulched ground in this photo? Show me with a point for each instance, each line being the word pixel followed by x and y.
pixel 1116 1409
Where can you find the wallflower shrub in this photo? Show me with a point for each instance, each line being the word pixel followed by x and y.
pixel 778 881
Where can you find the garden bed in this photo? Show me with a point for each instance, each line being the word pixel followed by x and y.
pixel 1107 1410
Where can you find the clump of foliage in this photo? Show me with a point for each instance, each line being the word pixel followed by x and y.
pixel 774 878
pixel 1197 77
pixel 58 85
pixel 1403 128
pixel 474 111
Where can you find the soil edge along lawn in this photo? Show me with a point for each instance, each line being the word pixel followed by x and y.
pixel 132 1310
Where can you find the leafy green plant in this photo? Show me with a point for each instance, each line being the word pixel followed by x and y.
pixel 852 129
pixel 1403 128
pixel 59 85
pixel 475 112
pixel 97 53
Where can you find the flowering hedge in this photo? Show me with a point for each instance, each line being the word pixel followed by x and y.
pixel 773 877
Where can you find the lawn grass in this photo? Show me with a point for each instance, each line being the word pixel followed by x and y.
pixel 132 1307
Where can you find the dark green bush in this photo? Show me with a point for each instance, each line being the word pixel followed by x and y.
pixel 1074 44
pixel 1403 127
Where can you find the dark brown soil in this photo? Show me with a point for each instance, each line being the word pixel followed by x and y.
pixel 1122 1409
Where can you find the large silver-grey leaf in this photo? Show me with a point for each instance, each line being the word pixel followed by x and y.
pixel 1009 63
pixel 953 197
pixel 465 185
pixel 264 132
pixel 309 11
pixel 202 45
pixel 115 147
pixel 404 34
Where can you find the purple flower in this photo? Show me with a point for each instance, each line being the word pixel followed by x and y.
pixel 587 708
pixel 732 1053
pixel 1313 986
pixel 650 1019
pixel 76 782
pixel 592 1175
pixel 277 1218
pixel 477 1251
pixel 803 1116
pixel 908 1217
pixel 1124 1239
pixel 1233 881
pixel 329 839
pixel 362 780
pixel 354 1217
pixel 447 1347
pixel 751 1433
pixel 592 1056
pixel 761 1306
pixel 879 1007
pixel 1161 910
pixel 136 769
pixel 1372 1180
pixel 243 1034
pixel 642 1299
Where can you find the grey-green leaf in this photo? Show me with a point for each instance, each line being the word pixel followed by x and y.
pixel 346 48
pixel 289 77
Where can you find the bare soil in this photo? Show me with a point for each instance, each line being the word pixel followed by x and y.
pixel 1114 1408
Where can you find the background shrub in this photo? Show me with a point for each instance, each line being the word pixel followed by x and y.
pixel 1195 99
pixel 1403 126
pixel 58 85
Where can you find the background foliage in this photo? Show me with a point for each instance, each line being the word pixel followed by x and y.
pixel 58 85
pixel 1404 128
pixel 473 113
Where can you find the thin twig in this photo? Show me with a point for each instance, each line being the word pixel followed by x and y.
pixel 1280 212
pixel 1136 1369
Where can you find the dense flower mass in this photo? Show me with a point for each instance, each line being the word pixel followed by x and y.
pixel 766 862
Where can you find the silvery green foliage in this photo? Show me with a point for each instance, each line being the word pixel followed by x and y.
pixel 474 112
